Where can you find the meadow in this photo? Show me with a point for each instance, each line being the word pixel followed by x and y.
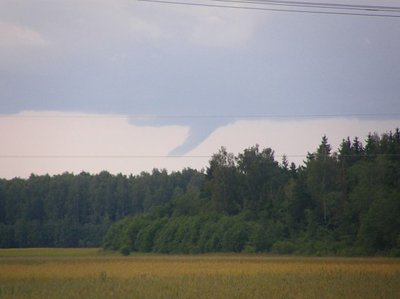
pixel 92 273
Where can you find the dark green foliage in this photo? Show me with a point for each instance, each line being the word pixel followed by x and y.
pixel 184 234
pixel 77 210
pixel 125 250
pixel 344 203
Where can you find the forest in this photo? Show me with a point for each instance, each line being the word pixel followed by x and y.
pixel 344 203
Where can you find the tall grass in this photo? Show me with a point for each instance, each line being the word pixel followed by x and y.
pixel 203 276
pixel 51 252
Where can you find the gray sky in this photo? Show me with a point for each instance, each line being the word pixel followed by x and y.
pixel 122 59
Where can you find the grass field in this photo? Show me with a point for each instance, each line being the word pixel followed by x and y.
pixel 90 273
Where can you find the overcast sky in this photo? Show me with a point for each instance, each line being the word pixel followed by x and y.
pixel 118 78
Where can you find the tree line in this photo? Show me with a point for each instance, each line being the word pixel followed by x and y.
pixel 77 210
pixel 337 203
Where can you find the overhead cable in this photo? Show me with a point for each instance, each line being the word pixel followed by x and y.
pixel 327 9
pixel 167 156
pixel 207 116
pixel 316 5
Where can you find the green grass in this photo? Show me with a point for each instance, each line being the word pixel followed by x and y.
pixel 92 273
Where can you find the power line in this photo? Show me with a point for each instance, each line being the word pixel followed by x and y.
pixel 316 5
pixel 368 11
pixel 206 116
pixel 165 156
pixel 100 156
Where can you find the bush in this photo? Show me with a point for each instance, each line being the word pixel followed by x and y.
pixel 125 250
pixel 283 247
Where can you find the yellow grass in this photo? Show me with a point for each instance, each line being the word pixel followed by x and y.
pixel 77 274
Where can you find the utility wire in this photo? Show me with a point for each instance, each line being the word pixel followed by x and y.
pixel 207 116
pixel 368 12
pixel 316 5
pixel 99 156
pixel 167 156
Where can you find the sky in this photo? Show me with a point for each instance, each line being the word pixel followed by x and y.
pixel 127 86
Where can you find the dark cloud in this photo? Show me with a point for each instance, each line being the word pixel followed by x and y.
pixel 142 60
